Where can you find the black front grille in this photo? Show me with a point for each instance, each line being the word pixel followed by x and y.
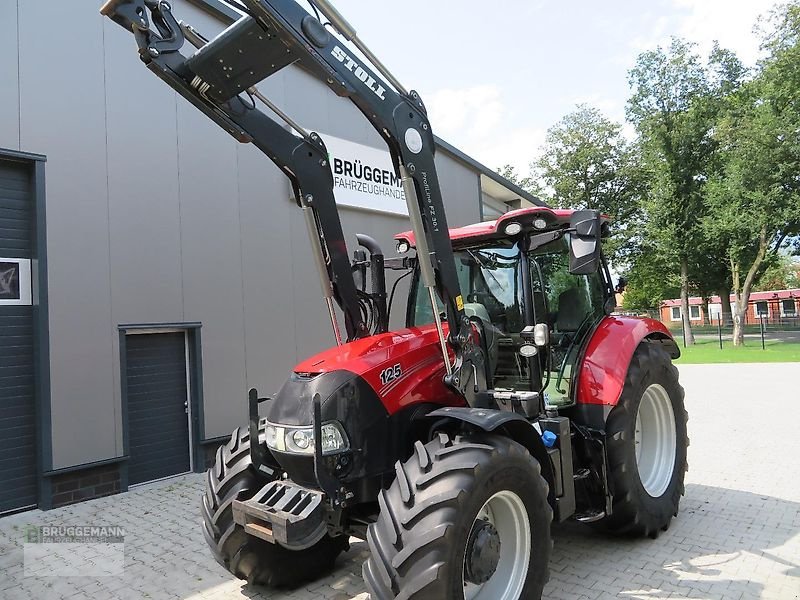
pixel 300 468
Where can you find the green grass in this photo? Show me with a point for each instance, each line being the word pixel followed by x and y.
pixel 707 351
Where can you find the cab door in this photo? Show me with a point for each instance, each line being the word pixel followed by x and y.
pixel 572 305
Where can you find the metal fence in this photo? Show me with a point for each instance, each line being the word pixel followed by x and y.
pixel 758 330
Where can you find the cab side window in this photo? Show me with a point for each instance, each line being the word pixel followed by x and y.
pixel 568 300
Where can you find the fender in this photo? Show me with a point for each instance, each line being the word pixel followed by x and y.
pixel 511 425
pixel 608 355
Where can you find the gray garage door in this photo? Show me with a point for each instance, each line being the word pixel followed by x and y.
pixel 17 417
pixel 158 425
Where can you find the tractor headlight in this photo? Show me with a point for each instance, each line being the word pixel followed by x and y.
pixel 512 228
pixel 300 440
pixel 272 437
pixel 334 438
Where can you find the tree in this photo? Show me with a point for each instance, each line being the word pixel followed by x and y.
pixel 651 278
pixel 526 183
pixel 674 104
pixel 709 274
pixel 779 274
pixel 793 280
pixel 756 197
pixel 586 163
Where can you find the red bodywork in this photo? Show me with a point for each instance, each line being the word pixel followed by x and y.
pixel 608 354
pixel 415 349
pixel 489 229
pixel 419 377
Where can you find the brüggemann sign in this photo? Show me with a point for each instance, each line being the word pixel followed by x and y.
pixel 363 176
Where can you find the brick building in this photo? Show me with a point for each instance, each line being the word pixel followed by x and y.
pixel 774 306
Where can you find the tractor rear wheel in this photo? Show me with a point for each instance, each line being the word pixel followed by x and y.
pixel 259 562
pixel 647 443
pixel 464 518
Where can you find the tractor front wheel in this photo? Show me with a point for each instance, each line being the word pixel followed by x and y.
pixel 464 518
pixel 233 477
pixel 647 443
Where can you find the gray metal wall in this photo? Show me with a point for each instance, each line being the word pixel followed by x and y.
pixel 156 215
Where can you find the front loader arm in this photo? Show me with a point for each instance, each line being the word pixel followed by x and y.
pixel 274 34
pixel 304 160
pixel 399 116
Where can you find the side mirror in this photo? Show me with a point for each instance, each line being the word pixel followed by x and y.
pixel 584 242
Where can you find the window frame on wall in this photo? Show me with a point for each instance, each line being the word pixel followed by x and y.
pixel 757 312
pixel 791 302
pixel 672 311
pixel 714 311
pixel 694 308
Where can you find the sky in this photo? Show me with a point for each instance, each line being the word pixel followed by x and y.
pixel 496 75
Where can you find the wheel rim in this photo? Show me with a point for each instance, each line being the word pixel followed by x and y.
pixel 655 440
pixel 506 513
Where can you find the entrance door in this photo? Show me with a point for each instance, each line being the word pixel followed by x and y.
pixel 17 409
pixel 158 405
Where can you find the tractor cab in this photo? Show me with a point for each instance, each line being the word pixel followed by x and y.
pixel 538 286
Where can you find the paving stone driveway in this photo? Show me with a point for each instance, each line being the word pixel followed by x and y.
pixel 737 536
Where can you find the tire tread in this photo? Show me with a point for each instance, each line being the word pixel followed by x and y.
pixel 630 516
pixel 233 477
pixel 409 541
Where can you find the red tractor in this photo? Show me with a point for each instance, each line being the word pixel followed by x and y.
pixel 512 398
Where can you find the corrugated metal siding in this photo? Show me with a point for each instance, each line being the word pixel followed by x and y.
pixel 17 408
pixel 158 431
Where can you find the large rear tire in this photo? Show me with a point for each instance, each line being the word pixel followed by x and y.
pixel 258 562
pixel 647 444
pixel 464 518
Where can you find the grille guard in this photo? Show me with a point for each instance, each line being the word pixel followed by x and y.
pixel 283 513
pixel 323 465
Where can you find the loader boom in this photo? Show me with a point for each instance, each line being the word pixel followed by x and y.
pixel 303 159
pixel 219 77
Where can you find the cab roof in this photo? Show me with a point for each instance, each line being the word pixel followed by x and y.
pixel 491 229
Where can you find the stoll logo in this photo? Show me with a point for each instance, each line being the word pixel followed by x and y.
pixel 353 66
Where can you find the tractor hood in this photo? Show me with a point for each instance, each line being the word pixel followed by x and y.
pixel 363 355
pixel 399 367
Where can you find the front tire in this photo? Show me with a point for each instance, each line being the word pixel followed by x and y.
pixel 647 444
pixel 255 560
pixel 464 518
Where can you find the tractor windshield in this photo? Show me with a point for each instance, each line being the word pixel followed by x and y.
pixel 491 283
